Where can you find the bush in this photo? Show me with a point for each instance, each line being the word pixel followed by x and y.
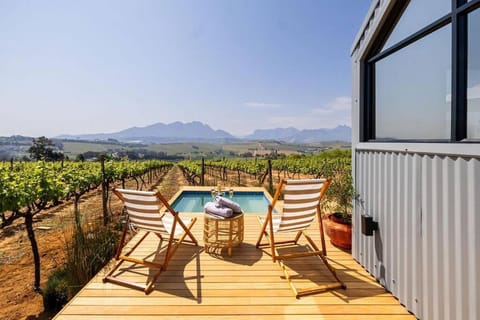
pixel 89 249
pixel 55 294
pixel 341 192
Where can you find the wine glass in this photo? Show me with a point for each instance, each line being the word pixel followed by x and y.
pixel 212 192
pixel 230 193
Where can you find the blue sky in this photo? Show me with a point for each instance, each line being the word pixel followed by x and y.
pixel 71 67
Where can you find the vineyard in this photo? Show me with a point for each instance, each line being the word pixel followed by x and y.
pixel 28 188
pixel 31 189
pixel 263 172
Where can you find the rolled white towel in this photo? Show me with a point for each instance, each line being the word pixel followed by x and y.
pixel 229 204
pixel 218 210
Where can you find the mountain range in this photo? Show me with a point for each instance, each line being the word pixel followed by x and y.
pixel 199 132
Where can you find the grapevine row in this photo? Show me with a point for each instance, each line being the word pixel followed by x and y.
pixel 325 164
pixel 28 188
pixel 33 186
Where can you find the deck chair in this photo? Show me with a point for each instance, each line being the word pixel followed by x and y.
pixel 143 213
pixel 301 205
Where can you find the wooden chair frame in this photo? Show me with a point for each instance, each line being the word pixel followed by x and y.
pixel 267 231
pixel 172 246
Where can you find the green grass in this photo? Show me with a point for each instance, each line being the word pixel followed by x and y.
pixel 75 148
pixel 198 150
pixel 183 148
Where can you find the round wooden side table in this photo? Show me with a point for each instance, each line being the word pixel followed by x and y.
pixel 222 233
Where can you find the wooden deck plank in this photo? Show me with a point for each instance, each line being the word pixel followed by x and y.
pixel 221 301
pixel 348 294
pixel 237 310
pixel 233 275
pixel 247 285
pixel 237 317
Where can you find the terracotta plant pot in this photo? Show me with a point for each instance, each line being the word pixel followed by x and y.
pixel 339 231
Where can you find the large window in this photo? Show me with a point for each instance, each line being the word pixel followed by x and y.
pixel 422 77
pixel 412 84
pixel 417 15
pixel 473 95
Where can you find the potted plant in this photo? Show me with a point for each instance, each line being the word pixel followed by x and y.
pixel 338 205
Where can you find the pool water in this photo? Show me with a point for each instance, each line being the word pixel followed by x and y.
pixel 193 201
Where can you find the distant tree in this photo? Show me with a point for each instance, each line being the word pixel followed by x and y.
pixel 5 155
pixel 43 149
pixel 246 155
pixel 58 144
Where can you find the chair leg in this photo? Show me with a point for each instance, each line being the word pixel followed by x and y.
pixel 150 285
pixel 338 284
pixel 188 228
pixel 118 255
pixel 303 292
pixel 299 234
pixel 324 259
pixel 262 231
pixel 109 274
pixel 122 240
pixel 332 271
pixel 132 248
pixel 110 278
pixel 287 276
pixel 322 234
pixel 172 249
pixel 320 289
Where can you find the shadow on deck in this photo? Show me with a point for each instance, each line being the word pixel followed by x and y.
pixel 246 285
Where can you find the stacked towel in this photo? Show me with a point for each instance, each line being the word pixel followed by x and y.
pixel 222 207
pixel 229 204
pixel 217 209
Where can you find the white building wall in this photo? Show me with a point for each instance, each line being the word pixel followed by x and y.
pixel 426 250
pixel 426 199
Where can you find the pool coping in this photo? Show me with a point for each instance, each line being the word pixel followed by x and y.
pixel 208 188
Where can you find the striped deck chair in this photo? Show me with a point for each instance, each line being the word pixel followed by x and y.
pixel 301 206
pixel 143 212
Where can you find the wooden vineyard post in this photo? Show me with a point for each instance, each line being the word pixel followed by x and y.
pixel 104 191
pixel 202 173
pixel 270 179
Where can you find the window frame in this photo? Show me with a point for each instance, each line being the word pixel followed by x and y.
pixel 459 46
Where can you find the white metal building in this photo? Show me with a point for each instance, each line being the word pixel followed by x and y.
pixel 416 152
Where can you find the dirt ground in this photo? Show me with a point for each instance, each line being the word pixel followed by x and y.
pixel 18 300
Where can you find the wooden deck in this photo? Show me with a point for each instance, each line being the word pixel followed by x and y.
pixel 247 285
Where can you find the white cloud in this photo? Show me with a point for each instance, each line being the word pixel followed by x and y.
pixel 334 113
pixel 262 105
pixel 339 104
pixel 474 92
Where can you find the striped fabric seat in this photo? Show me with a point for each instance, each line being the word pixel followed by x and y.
pixel 143 209
pixel 143 212
pixel 301 198
pixel 301 206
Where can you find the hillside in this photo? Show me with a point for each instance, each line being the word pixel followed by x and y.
pixel 199 132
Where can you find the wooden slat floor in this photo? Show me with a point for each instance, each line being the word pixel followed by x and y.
pixel 247 285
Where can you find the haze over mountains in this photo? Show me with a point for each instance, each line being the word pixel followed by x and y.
pixel 293 135
pixel 199 132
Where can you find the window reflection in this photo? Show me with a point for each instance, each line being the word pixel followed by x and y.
pixel 417 15
pixel 412 89
pixel 473 93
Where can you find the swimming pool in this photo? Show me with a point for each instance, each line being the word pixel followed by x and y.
pixel 249 201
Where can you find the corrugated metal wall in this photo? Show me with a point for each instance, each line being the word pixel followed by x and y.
pixel 427 248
